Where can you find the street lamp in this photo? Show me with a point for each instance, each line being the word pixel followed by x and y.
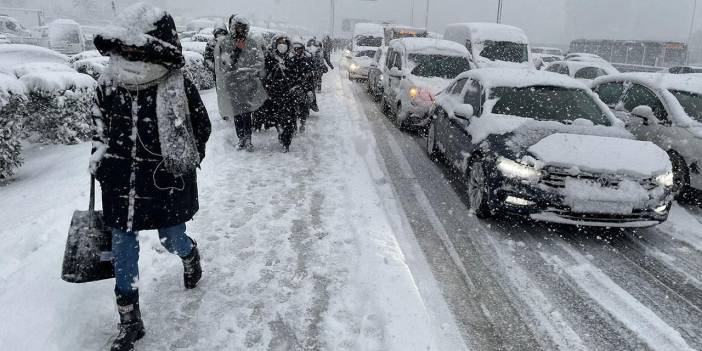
pixel 426 19
pixel 499 11
pixel 411 12
pixel 692 28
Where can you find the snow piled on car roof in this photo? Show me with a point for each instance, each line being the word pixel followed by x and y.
pixel 686 82
pixel 480 32
pixel 15 54
pixel 521 78
pixel 432 46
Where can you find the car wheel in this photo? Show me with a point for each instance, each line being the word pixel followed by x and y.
pixel 479 190
pixel 681 180
pixel 432 150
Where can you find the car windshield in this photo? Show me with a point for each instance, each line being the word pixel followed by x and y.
pixel 367 40
pixel 549 59
pixel 505 51
pixel 366 53
pixel 438 65
pixel 589 73
pixel 553 52
pixel 548 103
pixel 67 33
pixel 691 103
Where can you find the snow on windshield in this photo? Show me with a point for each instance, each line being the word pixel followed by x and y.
pixel 548 103
pixel 505 51
pixel 691 103
pixel 438 65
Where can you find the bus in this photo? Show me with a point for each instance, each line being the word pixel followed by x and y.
pixel 658 54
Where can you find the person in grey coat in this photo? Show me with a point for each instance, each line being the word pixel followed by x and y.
pixel 239 64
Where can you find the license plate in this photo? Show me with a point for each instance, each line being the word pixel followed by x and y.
pixel 601 207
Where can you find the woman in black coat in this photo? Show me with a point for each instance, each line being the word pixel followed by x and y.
pixel 151 128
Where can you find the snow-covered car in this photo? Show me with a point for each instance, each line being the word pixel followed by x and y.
pixel 374 83
pixel 683 70
pixel 543 60
pixel 15 54
pixel 541 50
pixel 92 66
pixel 360 62
pixel 66 36
pixel 4 39
pixel 665 109
pixel 542 145
pixel 415 70
pixel 492 45
pixel 10 25
pixel 586 72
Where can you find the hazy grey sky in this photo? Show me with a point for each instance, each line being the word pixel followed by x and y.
pixel 545 21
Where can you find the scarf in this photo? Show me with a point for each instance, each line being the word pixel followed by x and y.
pixel 175 131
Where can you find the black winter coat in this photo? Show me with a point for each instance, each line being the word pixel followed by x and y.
pixel 278 78
pixel 137 192
pixel 302 70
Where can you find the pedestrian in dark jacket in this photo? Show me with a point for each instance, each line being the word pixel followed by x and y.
pixel 279 82
pixel 302 69
pixel 150 131
pixel 315 49
pixel 327 48
pixel 218 32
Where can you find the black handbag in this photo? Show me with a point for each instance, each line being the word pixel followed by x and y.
pixel 88 255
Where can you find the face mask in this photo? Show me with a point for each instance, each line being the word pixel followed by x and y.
pixel 135 72
pixel 282 48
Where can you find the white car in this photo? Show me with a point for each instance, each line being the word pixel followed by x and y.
pixel 541 61
pixel 492 44
pixel 547 51
pixel 360 62
pixel 415 71
pixel 665 109
pixel 586 72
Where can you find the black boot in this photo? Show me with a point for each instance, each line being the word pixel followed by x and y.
pixel 131 327
pixel 192 271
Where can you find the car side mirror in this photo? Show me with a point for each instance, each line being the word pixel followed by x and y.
pixel 395 72
pixel 645 113
pixel 464 111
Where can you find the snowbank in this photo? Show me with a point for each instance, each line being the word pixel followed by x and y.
pixel 195 46
pixel 195 69
pixel 38 67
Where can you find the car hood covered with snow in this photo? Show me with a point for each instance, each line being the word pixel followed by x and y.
pixel 601 155
pixel 434 85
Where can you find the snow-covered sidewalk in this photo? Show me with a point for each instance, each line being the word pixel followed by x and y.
pixel 302 251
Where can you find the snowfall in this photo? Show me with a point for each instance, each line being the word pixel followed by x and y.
pixel 305 250
pixel 309 250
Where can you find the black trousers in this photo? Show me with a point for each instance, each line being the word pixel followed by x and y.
pixel 243 125
pixel 283 112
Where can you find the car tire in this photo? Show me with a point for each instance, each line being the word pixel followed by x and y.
pixel 478 189
pixel 681 181
pixel 432 150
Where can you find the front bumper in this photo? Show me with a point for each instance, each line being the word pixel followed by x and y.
pixel 542 203
pixel 417 115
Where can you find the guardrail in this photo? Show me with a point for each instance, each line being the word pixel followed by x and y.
pixel 637 68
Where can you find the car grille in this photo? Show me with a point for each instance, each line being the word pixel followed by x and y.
pixel 556 178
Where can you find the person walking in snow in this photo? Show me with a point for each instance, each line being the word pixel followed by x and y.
pixel 302 71
pixel 218 32
pixel 278 82
pixel 150 131
pixel 327 48
pixel 239 65
pixel 315 48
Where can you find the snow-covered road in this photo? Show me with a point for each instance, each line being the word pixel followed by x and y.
pixel 302 251
pixel 519 285
pixel 355 240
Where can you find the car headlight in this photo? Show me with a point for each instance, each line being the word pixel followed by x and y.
pixel 413 92
pixel 666 179
pixel 353 67
pixel 512 169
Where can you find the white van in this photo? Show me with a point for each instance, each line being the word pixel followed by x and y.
pixel 66 36
pixel 492 44
pixel 367 35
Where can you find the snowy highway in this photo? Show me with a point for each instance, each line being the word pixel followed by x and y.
pixel 355 240
pixel 514 284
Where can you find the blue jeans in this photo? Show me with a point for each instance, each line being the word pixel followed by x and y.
pixel 125 251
